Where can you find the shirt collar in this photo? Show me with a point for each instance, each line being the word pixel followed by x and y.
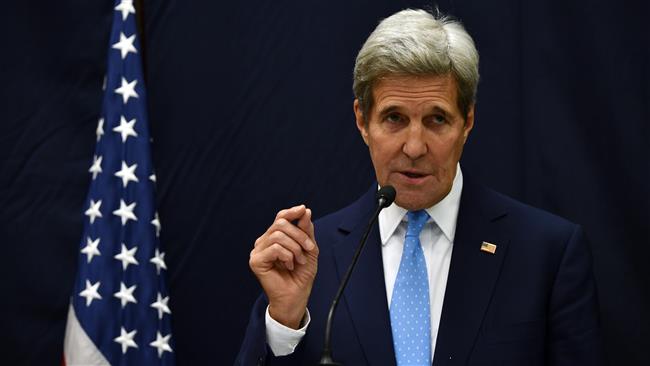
pixel 444 213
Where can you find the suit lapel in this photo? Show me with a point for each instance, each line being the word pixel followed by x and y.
pixel 472 275
pixel 365 295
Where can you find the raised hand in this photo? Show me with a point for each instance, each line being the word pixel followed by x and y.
pixel 285 261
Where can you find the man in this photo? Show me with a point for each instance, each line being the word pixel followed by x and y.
pixel 454 273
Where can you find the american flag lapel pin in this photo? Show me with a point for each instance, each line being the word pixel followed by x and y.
pixel 488 247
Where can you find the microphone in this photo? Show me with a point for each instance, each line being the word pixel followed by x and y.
pixel 385 197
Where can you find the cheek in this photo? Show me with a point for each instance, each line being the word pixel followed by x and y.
pixel 444 149
pixel 445 154
pixel 383 155
pixel 380 159
pixel 460 144
pixel 454 145
pixel 375 153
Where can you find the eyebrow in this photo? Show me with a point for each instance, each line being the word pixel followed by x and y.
pixel 439 110
pixel 435 109
pixel 387 110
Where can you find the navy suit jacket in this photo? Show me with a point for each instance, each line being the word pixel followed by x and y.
pixel 532 302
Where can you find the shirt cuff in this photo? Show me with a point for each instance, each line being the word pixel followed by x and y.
pixel 281 339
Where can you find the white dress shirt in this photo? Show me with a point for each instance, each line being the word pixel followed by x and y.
pixel 436 239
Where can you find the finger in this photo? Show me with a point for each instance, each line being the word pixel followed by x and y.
pixel 279 237
pixel 293 231
pixel 306 225
pixel 292 213
pixel 269 256
pixel 283 255
pixel 259 240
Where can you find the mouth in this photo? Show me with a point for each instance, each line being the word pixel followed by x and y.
pixel 413 177
pixel 413 174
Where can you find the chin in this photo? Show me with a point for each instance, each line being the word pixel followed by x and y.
pixel 418 198
pixel 414 202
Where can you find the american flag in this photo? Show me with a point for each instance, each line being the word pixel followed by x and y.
pixel 119 311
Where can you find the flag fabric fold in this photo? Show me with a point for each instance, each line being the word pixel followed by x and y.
pixel 119 310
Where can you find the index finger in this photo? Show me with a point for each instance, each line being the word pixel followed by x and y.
pixel 306 225
pixel 292 213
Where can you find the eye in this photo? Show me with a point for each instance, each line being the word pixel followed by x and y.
pixel 393 118
pixel 439 119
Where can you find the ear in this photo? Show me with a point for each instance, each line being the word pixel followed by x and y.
pixel 361 123
pixel 469 123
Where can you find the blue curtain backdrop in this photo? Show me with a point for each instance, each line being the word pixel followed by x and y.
pixel 251 111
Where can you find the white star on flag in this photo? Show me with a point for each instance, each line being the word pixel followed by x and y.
pixel 159 260
pixel 93 211
pixel 125 212
pixel 162 343
pixel 126 7
pixel 156 222
pixel 125 45
pixel 91 292
pixel 127 173
pixel 100 126
pixel 127 256
pixel 96 168
pixel 152 178
pixel 125 294
pixel 126 129
pixel 90 249
pixel 127 90
pixel 161 305
pixel 126 339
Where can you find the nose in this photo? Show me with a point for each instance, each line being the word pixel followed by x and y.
pixel 415 145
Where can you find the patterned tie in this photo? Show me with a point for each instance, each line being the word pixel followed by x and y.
pixel 410 316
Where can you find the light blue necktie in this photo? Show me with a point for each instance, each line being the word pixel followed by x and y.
pixel 410 316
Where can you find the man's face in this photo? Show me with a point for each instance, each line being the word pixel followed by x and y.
pixel 415 133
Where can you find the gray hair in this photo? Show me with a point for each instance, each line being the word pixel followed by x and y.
pixel 415 42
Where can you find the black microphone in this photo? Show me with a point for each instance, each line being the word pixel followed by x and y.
pixel 385 197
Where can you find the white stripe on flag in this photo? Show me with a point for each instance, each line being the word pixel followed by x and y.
pixel 78 349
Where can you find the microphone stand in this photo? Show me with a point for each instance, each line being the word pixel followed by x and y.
pixel 326 355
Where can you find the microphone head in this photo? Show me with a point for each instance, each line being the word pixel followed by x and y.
pixel 386 196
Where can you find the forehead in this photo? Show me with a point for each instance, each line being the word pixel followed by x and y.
pixel 408 89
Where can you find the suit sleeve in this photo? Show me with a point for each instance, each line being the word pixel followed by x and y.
pixel 254 350
pixel 574 329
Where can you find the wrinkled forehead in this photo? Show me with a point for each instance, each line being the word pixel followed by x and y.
pixel 419 88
